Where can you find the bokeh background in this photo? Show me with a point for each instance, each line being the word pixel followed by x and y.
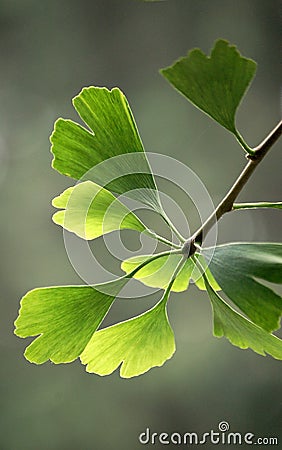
pixel 49 51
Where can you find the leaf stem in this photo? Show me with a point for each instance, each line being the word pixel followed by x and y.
pixel 243 143
pixel 226 204
pixel 161 239
pixel 257 205
pixel 172 227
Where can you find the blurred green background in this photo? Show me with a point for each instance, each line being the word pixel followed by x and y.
pixel 49 51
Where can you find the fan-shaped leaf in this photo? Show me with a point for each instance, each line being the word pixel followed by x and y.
pixel 238 269
pixel 113 133
pixel 240 331
pixel 90 211
pixel 65 317
pixel 138 344
pixel 216 83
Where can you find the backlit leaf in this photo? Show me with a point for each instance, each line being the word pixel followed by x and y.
pixel 158 273
pixel 113 133
pixel 64 317
pixel 90 211
pixel 137 345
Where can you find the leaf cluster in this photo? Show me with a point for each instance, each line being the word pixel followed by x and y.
pixel 66 320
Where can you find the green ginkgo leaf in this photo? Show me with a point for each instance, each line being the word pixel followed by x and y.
pixel 239 330
pixel 64 318
pixel 113 133
pixel 106 155
pixel 239 269
pixel 137 344
pixel 197 276
pixel 158 273
pixel 91 211
pixel 215 84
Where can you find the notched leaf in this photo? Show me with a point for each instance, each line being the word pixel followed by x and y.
pixel 90 211
pixel 111 133
pixel 64 317
pixel 238 269
pixel 215 84
pixel 240 331
pixel 137 345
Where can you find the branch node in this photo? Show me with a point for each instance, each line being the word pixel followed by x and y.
pixel 189 248
pixel 255 156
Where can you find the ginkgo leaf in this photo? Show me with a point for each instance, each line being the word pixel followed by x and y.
pixel 158 273
pixel 257 205
pixel 239 269
pixel 64 317
pixel 215 84
pixel 137 344
pixel 239 330
pixel 90 211
pixel 113 133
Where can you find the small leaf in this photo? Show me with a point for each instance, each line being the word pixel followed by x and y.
pixel 240 331
pixel 214 84
pixel 138 344
pixel 65 317
pixel 238 268
pixel 257 205
pixel 113 133
pixel 90 211
pixel 158 273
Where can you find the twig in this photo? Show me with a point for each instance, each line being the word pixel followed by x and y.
pixel 226 204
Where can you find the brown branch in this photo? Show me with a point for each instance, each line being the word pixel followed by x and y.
pixel 226 204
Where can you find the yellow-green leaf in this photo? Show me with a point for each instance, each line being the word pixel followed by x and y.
pixel 91 211
pixel 137 345
pixel 113 133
